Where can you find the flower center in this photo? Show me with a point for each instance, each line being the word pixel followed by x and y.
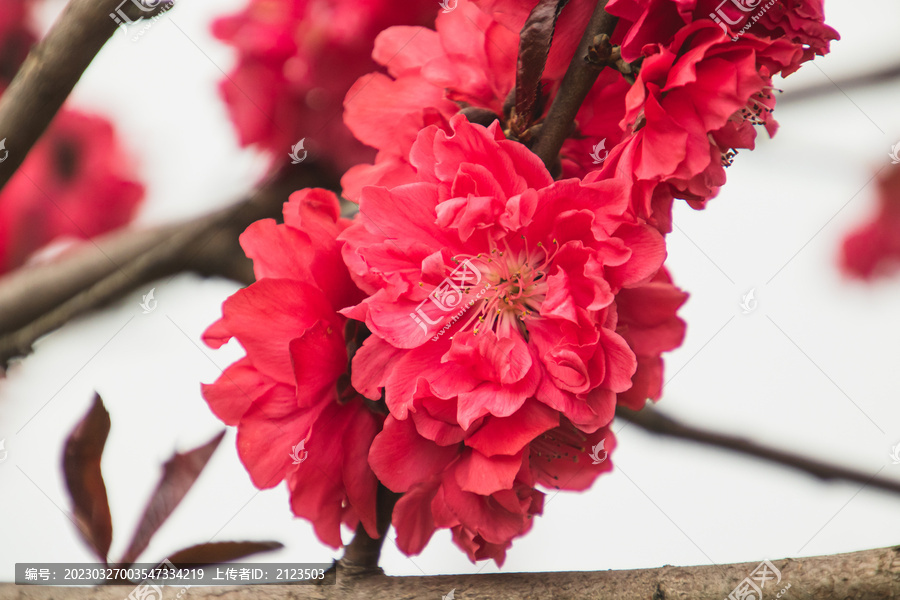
pixel 757 112
pixel 759 107
pixel 517 287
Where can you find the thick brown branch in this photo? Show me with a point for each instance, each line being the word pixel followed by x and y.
pixel 854 576
pixel 87 279
pixel 52 69
pixel 654 421
pixel 577 82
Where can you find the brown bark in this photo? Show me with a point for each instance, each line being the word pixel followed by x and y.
pixel 866 575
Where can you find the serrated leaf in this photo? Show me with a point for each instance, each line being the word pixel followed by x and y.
pixel 179 474
pixel 84 479
pixel 534 47
pixel 214 553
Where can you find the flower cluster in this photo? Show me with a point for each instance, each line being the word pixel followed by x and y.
pixel 479 320
pixel 467 61
pixel 554 305
pixel 524 275
pixel 700 91
pixel 75 181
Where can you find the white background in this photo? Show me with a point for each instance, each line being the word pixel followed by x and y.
pixel 813 369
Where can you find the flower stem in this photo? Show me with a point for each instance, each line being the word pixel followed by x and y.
pixel 576 84
pixel 362 553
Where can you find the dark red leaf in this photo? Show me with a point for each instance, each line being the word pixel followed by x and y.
pixel 179 474
pixel 219 552
pixel 534 46
pixel 84 480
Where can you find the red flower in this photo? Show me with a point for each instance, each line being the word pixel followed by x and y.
pixel 874 249
pixel 480 483
pixel 296 60
pixel 658 21
pixel 291 387
pixel 519 272
pixel 694 103
pixel 649 323
pixel 75 182
pixel 468 61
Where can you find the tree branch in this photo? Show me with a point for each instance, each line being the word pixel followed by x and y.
pixel 577 82
pixel 857 575
pixel 844 85
pixel 654 421
pixel 27 293
pixel 50 72
pixel 84 281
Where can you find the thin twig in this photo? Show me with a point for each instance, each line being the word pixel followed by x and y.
pixel 51 70
pixel 577 82
pixel 654 421
pixel 837 86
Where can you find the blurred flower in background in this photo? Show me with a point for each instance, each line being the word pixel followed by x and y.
pixel 76 182
pixel 873 249
pixel 296 60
